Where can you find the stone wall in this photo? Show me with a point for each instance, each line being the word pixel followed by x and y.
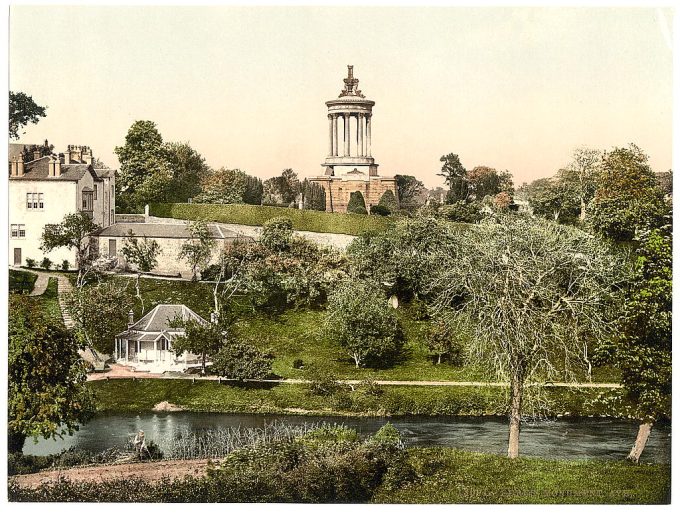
pixel 338 190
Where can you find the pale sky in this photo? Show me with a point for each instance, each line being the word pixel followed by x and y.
pixel 511 88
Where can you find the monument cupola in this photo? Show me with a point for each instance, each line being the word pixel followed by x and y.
pixel 349 132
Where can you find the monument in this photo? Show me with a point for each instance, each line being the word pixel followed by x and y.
pixel 349 165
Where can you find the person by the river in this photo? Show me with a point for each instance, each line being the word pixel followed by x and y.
pixel 140 444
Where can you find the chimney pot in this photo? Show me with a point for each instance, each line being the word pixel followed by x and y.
pixel 57 167
pixel 20 166
pixel 131 318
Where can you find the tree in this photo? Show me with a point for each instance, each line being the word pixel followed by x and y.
pixel 223 186
pixel 444 342
pixel 313 196
pixel 389 201
pixel 483 181
pixel 47 395
pixel 73 233
pixel 642 344
pixel 550 199
pixel 360 321
pixel 627 199
pixel 203 339
pixel 99 312
pixel 409 190
pixel 580 177
pixel 143 255
pixel 665 182
pixel 282 190
pixel 240 361
pixel 145 173
pixel 253 192
pixel 534 294
pixel 277 234
pixel 22 111
pixel 188 169
pixel 454 177
pixel 356 203
pixel 198 250
pixel 463 212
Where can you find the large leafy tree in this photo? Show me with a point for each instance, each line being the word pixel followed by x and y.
pixel 72 233
pixel 361 322
pixel 254 190
pixel 46 377
pixel 534 294
pixel 454 177
pixel 313 196
pixel 579 179
pixel 282 190
pixel 485 181
pixel 409 190
pixel 198 250
pixel 628 198
pixel 188 170
pixel 22 111
pixel 242 360
pixel 642 344
pixel 143 254
pixel 223 186
pixel 552 200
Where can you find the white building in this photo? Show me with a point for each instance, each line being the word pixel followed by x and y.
pixel 146 345
pixel 44 187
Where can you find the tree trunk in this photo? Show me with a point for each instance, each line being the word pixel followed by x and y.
pixel 640 442
pixel 203 363
pixel 516 387
pixel 139 294
pixel 439 359
pixel 15 442
pixel 582 214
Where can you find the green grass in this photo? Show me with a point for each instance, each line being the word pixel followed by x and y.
pixel 453 476
pixel 126 395
pixel 303 220
pixel 21 281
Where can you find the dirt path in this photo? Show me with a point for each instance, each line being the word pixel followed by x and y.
pixel 154 471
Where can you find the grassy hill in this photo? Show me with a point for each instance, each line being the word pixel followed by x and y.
pixel 303 219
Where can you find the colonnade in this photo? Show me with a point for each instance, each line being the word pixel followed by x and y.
pixel 362 134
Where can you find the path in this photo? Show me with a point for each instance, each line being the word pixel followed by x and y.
pixel 122 372
pixel 149 471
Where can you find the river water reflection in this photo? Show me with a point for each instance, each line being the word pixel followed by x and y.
pixel 559 439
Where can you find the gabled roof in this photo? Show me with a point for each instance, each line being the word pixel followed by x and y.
pixel 159 318
pixel 39 170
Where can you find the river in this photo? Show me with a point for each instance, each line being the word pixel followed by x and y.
pixel 587 438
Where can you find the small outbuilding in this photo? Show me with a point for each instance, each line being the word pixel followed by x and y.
pixel 146 345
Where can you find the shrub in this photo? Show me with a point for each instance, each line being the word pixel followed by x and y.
pixel 322 382
pixel 277 234
pixel 380 210
pixel 356 203
pixel 389 201
pixel 242 361
pixel 370 387
pixel 298 364
pixel 31 263
pixel 303 220
pixel 65 265
pixel 46 263
pixel 445 343
pixel 461 211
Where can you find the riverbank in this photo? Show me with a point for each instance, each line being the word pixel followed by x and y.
pixel 441 476
pixel 127 395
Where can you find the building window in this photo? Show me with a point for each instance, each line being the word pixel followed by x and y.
pixel 35 201
pixel 87 201
pixel 95 191
pixel 163 343
pixel 18 231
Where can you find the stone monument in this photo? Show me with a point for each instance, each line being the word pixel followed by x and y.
pixel 349 165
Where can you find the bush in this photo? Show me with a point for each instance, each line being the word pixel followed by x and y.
pixel 65 265
pixel 445 343
pixel 31 263
pixel 322 383
pixel 461 211
pixel 46 263
pixel 389 201
pixel 298 364
pixel 277 234
pixel 303 220
pixel 380 210
pixel 356 204
pixel 242 361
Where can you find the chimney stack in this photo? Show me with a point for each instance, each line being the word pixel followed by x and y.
pixel 57 166
pixel 37 154
pixel 131 319
pixel 87 155
pixel 13 167
pixel 50 167
pixel 20 166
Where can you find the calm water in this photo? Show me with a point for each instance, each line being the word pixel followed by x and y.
pixel 561 439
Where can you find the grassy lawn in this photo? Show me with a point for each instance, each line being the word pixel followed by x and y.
pixel 303 220
pixel 453 476
pixel 21 281
pixel 126 395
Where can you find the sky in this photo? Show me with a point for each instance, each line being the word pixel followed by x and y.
pixel 516 89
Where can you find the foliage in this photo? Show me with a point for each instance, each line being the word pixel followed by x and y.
pixel 389 201
pixel 46 263
pixel 356 203
pixel 665 182
pixel 462 212
pixel 380 210
pixel 361 322
pixel 322 382
pixel 409 190
pixel 313 196
pixel 627 199
pixel 71 233
pixel 552 200
pixel 303 220
pixel 45 374
pixel 99 312
pixel 454 177
pixel 204 339
pixel 240 361
pixel 277 234
pixel 21 282
pixel 141 254
pixel 579 180
pixel 444 342
pixel 534 294
pixel 31 263
pixel 282 190
pixel 253 191
pixel 22 111
pixel 198 250
pixel 484 181
pixel 65 265
pixel 223 186
pixel 188 169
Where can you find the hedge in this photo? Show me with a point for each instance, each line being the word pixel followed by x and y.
pixel 303 219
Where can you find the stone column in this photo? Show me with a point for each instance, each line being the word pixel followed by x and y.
pixel 368 133
pixel 346 118
pixel 330 135
pixel 335 135
pixel 360 122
